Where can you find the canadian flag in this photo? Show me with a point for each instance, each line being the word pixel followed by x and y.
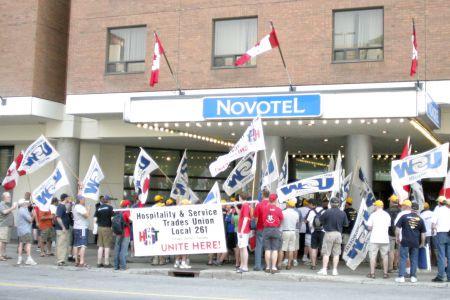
pixel 414 59
pixel 144 188
pixel 12 175
pixel 403 193
pixel 445 191
pixel 157 52
pixel 267 43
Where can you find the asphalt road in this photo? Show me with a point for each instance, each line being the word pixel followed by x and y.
pixel 35 283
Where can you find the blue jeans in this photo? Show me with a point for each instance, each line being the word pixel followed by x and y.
pixel 121 252
pixel 258 249
pixel 413 254
pixel 443 250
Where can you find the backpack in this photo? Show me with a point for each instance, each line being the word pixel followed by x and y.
pixel 118 224
pixel 317 225
pixel 393 212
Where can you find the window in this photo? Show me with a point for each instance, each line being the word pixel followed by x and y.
pixel 126 50
pixel 358 35
pixel 232 38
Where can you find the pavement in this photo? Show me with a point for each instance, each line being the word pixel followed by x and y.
pixel 301 273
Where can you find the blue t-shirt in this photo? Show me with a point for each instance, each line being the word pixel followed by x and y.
pixel 23 221
pixel 61 212
pixel 229 224
pixel 412 227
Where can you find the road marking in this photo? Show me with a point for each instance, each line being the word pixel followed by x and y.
pixel 87 290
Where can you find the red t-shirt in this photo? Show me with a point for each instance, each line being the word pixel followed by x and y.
pixel 245 213
pixel 272 216
pixel 126 218
pixel 259 214
pixel 44 224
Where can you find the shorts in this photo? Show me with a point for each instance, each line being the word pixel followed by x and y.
pixel 80 238
pixel 375 247
pixel 104 238
pixel 332 243
pixel 345 238
pixel 317 239
pixel 26 238
pixel 392 244
pixel 288 240
pixel 5 234
pixel 231 240
pixel 297 241
pixel 46 235
pixel 242 240
pixel 307 240
pixel 272 238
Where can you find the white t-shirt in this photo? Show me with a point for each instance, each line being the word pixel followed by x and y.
pixel 79 221
pixel 290 219
pixel 427 216
pixel 380 221
pixel 441 217
pixel 304 211
pixel 53 209
pixel 311 216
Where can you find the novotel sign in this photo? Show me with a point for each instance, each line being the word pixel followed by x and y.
pixel 275 106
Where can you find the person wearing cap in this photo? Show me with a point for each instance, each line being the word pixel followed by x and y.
pixel 80 230
pixel 305 234
pixel 427 215
pixel 62 228
pixel 291 219
pixel 333 220
pixel 393 212
pixel 272 216
pixel 352 214
pixel 45 224
pixel 245 217
pixel 410 235
pixel 257 214
pixel 103 218
pixel 6 223
pixel 123 240
pixel 182 261
pixel 23 224
pixel 441 228
pixel 378 224
pixel 317 233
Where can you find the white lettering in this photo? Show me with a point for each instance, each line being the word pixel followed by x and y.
pixel 287 107
pixel 226 108
pixel 260 109
pixel 236 106
pixel 296 110
pixel 275 105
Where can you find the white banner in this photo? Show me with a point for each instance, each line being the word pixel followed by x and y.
pixel 251 141
pixel 271 172
pixel 176 230
pixel 243 173
pixel 213 196
pixel 430 164
pixel 91 182
pixel 145 165
pixel 345 190
pixel 180 188
pixel 43 194
pixel 317 184
pixel 37 155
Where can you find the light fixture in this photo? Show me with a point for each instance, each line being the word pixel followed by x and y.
pixel 145 126
pixel 342 146
pixel 362 121
pixel 312 122
pixel 349 121
pixel 176 124
pixel 324 122
pixel 425 132
pixel 208 124
pixel 388 120
pixel 300 122
pixel 325 140
pixel 402 120
pixel 230 123
pixel 336 121
pixel 188 125
pixel 293 155
pixel 397 140
pixel 198 124
pixel 159 138
pixel 168 158
pixel 138 125
pixel 384 131
pixel 166 124
pixel 242 123
pixel 219 124
pixel 276 122
pixel 265 123
pixel 374 121
pixel 288 122
pixel 233 134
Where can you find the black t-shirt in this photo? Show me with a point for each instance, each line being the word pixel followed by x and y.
pixel 61 212
pixel 104 214
pixel 333 219
pixel 412 226
pixel 351 217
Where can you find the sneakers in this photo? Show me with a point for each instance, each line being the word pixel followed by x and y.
pixel 437 279
pixel 284 263
pixel 413 279
pixel 184 265
pixel 335 272
pixel 176 264
pixel 305 258
pixel 30 262
pixel 295 263
pixel 322 272
pixel 400 279
pixel 19 260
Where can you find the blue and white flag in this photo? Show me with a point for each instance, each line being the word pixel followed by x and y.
pixel 284 173
pixel 430 164
pixel 91 182
pixel 243 173
pixel 37 155
pixel 358 245
pixel 145 165
pixel 271 172
pixel 345 189
pixel 213 196
pixel 340 171
pixel 317 184
pixel 180 189
pixel 43 194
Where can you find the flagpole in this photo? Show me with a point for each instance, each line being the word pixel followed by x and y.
pixel 291 88
pixel 171 71
pixel 254 177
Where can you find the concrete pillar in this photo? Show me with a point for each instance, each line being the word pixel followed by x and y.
pixel 358 148
pixel 69 151
pixel 273 143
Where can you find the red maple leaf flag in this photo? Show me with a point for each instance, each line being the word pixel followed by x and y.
pixel 158 51
pixel 12 175
pixel 445 191
pixel 267 43
pixel 405 153
pixel 414 59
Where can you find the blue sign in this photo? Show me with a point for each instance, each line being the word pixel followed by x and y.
pixel 433 112
pixel 284 106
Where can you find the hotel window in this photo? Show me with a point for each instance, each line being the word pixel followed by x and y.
pixel 126 50
pixel 358 35
pixel 232 38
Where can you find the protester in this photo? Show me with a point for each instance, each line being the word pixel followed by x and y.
pixel 260 228
pixel 6 223
pixel 305 233
pixel 24 220
pixel 103 216
pixel 352 214
pixel 291 219
pixel 245 216
pixel 297 235
pixel 272 216
pixel 235 221
pixel 80 231
pixel 122 239
pixel 333 220
pixel 393 212
pixel 378 224
pixel 45 225
pixel 427 215
pixel 316 229
pixel 441 228
pixel 62 228
pixel 158 202
pixel 182 261
pixel 411 228
pixel 230 233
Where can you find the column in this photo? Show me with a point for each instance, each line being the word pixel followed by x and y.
pixel 273 143
pixel 69 151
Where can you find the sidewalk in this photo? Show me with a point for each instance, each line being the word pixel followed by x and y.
pixel 142 265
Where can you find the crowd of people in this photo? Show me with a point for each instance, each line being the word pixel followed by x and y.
pixel 281 235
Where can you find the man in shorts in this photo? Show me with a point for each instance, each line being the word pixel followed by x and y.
pixel 291 219
pixel 103 216
pixel 24 220
pixel 45 225
pixel 272 216
pixel 6 223
pixel 62 228
pixel 80 230
pixel 244 233
pixel 316 232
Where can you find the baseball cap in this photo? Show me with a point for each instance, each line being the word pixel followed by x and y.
pixel 185 202
pixel 305 202
pixel 291 203
pixel 414 206
pixel 426 205
pixel 125 203
pixel 80 197
pixel 407 203
pixel 441 199
pixel 349 200
pixel 379 203
pixel 107 198
pixel 334 200
pixel 393 198
pixel 273 197
pixel 22 201
pixel 158 198
pixel 169 201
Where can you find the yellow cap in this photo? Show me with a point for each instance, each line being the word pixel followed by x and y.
pixel 223 201
pixel 441 199
pixel 305 202
pixel 291 203
pixel 185 202
pixel 232 199
pixel 169 201
pixel 160 204
pixel 426 205
pixel 379 203
pixel 349 200
pixel 393 198
pixel 407 203
pixel 158 198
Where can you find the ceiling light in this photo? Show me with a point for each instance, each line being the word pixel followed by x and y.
pixel 230 124
pixel 293 155
pixel 388 120
pixel 168 158
pixel 219 123
pixel 138 125
pixel 145 125
pixel 402 120
pixel 265 123
pixel 276 122
pixel 188 125
pixel 349 121
pixel 324 122
pixel 176 124
pixel 208 124
pixel 375 121
pixel 300 122
pixel 325 140
pixel 312 122
pixel 342 146
pixel 242 123
pixel 166 124
pixel 362 121
pixel 384 131
pixel 198 124
pixel 159 138
pixel 288 122
pixel 425 132
pixel 336 121
pixel 233 134
pixel 397 140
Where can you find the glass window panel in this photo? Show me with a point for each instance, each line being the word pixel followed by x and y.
pixel 126 45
